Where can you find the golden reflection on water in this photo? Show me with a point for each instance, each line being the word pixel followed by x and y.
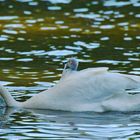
pixel 36 37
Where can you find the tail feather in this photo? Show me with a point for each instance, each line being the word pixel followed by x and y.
pixel 10 101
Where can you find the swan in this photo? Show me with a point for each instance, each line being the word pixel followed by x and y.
pixel 91 89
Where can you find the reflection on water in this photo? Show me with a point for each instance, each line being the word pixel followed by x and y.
pixel 40 124
pixel 36 37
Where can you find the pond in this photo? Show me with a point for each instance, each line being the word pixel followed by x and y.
pixel 36 38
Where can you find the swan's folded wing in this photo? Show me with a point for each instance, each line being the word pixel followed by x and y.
pixel 89 72
pixel 98 69
pixel 132 77
pixel 94 71
pixel 87 84
pixel 96 85
pixel 136 81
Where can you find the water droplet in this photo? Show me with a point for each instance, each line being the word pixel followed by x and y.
pixel 104 38
pixel 54 8
pixel 10 31
pixel 137 37
pixel 6 59
pixel 79 10
pixel 3 38
pixel 8 17
pixel 127 38
pixel 61 52
pixel 27 12
pixel 48 28
pixel 33 3
pixel 25 59
pixel 14 26
pixel 107 26
pixel 137 15
pixel 31 21
pixel 59 22
pixel 75 29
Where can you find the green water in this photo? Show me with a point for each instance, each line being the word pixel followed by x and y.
pixel 36 37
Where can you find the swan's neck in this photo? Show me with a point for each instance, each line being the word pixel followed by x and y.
pixel 66 73
pixel 10 101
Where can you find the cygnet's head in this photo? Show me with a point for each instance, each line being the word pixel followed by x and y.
pixel 71 64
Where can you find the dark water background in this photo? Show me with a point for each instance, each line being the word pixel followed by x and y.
pixel 36 37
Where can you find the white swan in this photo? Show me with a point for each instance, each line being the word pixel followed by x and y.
pixel 92 89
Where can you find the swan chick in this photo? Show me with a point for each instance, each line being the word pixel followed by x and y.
pixel 71 64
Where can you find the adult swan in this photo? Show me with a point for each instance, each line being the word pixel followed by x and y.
pixel 92 89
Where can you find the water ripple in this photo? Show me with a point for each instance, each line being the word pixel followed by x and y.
pixel 61 53
pixel 36 37
pixel 8 17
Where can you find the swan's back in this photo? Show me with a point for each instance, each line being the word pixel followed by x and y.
pixel 86 90
pixel 97 84
pixel 93 89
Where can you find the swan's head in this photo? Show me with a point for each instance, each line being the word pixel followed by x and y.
pixel 71 64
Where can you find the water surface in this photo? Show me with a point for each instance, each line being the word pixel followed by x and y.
pixel 36 37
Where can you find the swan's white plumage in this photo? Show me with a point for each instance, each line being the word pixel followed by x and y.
pixel 93 89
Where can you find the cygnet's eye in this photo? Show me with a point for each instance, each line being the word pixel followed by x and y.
pixel 71 62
